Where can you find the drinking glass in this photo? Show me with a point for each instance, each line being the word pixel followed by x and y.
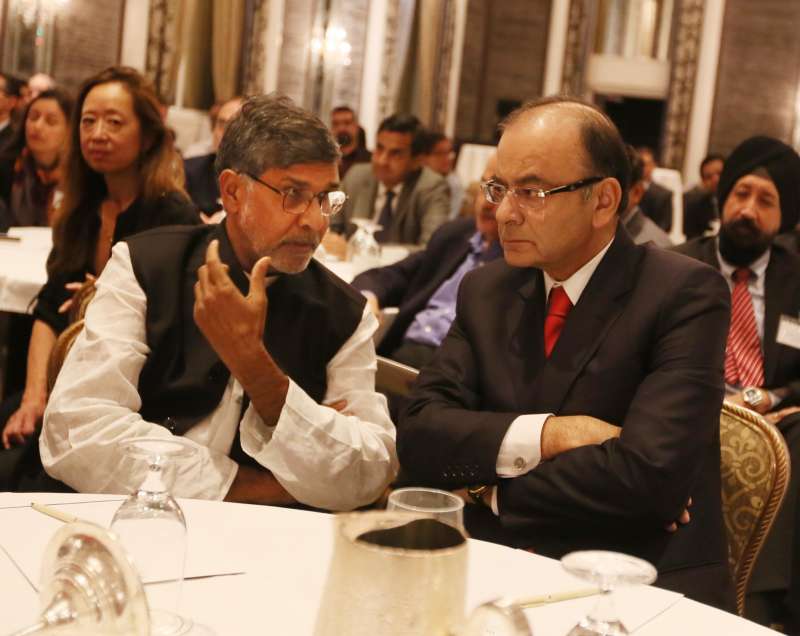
pixel 152 528
pixel 607 570
pixel 439 504
pixel 363 250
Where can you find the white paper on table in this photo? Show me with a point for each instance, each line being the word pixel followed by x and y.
pixel 24 534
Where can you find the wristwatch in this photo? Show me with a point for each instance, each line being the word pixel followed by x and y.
pixel 752 396
pixel 477 493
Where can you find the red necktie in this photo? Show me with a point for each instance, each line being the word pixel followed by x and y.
pixel 558 307
pixel 744 365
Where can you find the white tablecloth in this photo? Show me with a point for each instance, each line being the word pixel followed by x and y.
pixel 348 270
pixel 287 558
pixel 22 267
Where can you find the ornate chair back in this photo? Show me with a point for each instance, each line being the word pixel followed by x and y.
pixel 755 475
pixel 60 350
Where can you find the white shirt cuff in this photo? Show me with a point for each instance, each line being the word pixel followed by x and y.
pixel 521 450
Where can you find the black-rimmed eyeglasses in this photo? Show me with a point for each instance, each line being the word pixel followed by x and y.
pixel 297 201
pixel 530 198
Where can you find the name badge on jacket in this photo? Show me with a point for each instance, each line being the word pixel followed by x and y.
pixel 789 332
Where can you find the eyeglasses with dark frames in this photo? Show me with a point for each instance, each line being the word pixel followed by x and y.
pixel 297 201
pixel 531 198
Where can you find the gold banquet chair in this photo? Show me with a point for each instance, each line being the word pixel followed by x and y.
pixel 755 476
pixel 60 350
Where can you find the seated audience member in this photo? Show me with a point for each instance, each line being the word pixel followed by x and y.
pixel 9 97
pixel 30 168
pixel 277 397
pixel 759 197
pixel 406 199
pixel 118 180
pixel 641 228
pixel 438 155
pixel 348 134
pixel 589 420
pixel 425 284
pixel 657 200
pixel 700 205
pixel 201 180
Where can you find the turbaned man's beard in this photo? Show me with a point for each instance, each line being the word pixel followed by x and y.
pixel 741 242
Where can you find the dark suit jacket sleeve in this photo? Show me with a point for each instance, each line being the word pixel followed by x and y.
pixel 645 476
pixel 390 283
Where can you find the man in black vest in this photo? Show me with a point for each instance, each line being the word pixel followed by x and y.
pixel 233 337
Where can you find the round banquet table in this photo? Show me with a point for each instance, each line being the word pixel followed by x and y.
pixel 23 258
pixel 284 554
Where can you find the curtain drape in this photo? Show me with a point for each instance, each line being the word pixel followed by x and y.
pixel 226 44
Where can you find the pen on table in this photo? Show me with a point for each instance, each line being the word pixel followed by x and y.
pixel 6 237
pixel 53 512
pixel 546 599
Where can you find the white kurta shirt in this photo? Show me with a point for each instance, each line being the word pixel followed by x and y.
pixel 323 458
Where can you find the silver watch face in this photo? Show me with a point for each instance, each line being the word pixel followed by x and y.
pixel 752 396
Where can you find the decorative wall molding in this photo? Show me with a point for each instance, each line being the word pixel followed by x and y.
pixel 163 47
pixel 576 51
pixel 444 66
pixel 686 34
pixel 254 58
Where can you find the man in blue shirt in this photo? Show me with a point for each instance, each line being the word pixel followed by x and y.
pixel 424 285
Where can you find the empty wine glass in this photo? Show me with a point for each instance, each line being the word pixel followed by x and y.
pixel 151 526
pixel 439 504
pixel 608 570
pixel 496 618
pixel 363 250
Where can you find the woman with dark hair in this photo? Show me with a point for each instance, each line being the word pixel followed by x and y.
pixel 31 164
pixel 119 179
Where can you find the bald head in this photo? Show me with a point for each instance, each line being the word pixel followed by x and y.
pixel 603 148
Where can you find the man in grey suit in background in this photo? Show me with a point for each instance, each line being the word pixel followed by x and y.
pixel 406 199
pixel 641 227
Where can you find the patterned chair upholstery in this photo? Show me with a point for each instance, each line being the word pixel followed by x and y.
pixel 755 475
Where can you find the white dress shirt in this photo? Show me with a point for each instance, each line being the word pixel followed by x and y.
pixel 323 458
pixel 756 287
pixel 521 449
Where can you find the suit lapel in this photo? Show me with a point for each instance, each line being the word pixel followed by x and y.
pixel 777 292
pixel 525 316
pixel 602 301
pixel 403 203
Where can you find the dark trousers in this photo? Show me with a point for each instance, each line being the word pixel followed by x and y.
pixel 774 591
pixel 414 354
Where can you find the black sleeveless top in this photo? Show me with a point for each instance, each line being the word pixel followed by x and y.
pixel 310 316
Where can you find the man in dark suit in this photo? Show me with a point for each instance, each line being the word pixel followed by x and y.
pixel 9 96
pixel 589 420
pixel 700 206
pixel 424 285
pixel 407 200
pixel 657 200
pixel 201 178
pixel 759 195
pixel 345 128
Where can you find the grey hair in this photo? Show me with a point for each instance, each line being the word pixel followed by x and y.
pixel 270 131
